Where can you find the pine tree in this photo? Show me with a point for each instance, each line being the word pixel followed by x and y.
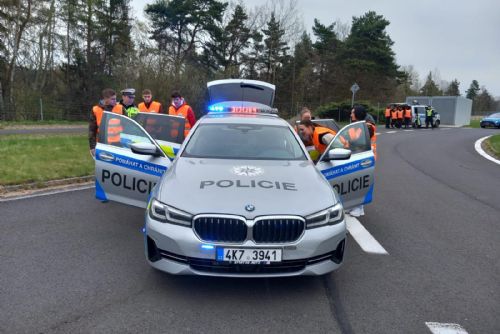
pixel 275 48
pixel 473 90
pixel 430 88
pixel 453 89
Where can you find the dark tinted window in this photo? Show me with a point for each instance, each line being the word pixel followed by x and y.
pixel 244 141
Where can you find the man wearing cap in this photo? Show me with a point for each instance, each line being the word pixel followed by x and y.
pixel 179 107
pixel 127 101
pixel 148 105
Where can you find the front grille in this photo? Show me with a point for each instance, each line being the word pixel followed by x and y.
pixel 220 229
pixel 276 230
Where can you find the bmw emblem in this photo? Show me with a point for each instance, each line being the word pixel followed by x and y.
pixel 249 207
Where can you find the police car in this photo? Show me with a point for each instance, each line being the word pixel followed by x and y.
pixel 242 198
pixel 418 114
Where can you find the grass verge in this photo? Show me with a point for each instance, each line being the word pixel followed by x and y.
pixel 474 123
pixel 39 158
pixel 492 146
pixel 10 124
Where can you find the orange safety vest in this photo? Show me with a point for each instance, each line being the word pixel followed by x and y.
pixel 407 113
pixel 153 107
pixel 114 125
pixel 318 131
pixel 114 130
pixel 98 110
pixel 394 114
pixel 182 111
pixel 373 139
pixel 400 114
pixel 388 112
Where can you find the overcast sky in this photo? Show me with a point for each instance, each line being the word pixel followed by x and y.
pixel 461 39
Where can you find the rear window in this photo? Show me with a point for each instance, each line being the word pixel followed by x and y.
pixel 244 141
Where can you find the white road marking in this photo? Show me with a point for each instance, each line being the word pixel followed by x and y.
pixel 477 146
pixel 391 131
pixel 52 192
pixel 439 328
pixel 364 239
pixel 408 130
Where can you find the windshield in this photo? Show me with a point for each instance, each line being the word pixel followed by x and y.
pixel 495 115
pixel 244 141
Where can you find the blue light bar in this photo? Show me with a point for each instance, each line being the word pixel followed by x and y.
pixel 215 108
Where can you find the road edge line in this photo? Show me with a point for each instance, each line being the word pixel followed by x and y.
pixel 479 149
pixel 364 239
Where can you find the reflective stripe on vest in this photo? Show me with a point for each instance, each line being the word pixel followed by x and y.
pixel 98 112
pixel 114 130
pixel 153 107
pixel 318 131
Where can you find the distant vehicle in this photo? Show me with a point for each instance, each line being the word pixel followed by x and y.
pixel 420 112
pixel 492 120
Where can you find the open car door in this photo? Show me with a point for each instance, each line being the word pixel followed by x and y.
pixel 128 161
pixel 352 176
pixel 166 130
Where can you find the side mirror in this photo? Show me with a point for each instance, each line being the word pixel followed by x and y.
pixel 337 154
pixel 145 149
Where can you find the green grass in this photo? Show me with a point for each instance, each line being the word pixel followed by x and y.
pixel 8 124
pixel 493 145
pixel 474 123
pixel 38 158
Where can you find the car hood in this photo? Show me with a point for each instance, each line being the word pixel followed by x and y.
pixel 490 119
pixel 228 186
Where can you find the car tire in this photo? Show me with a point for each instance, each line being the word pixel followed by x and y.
pixel 436 125
pixel 483 126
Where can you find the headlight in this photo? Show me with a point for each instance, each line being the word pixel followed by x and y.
pixel 330 216
pixel 167 214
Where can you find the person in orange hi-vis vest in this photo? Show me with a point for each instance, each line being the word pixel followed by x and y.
pixel 407 116
pixel 358 113
pixel 316 138
pixel 179 107
pixel 108 103
pixel 388 117
pixel 148 105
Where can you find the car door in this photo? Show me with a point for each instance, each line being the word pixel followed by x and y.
pixel 352 178
pixel 166 130
pixel 120 174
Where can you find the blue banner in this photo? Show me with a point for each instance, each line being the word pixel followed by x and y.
pixel 131 163
pixel 348 168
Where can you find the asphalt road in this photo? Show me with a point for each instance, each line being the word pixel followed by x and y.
pixel 70 264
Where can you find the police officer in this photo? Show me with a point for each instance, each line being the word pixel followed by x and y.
pixel 429 113
pixel 107 103
pixel 127 101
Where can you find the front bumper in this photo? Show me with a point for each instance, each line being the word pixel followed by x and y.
pixel 177 250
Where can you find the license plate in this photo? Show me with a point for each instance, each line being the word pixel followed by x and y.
pixel 248 255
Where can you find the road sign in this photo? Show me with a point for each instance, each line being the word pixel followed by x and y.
pixel 354 88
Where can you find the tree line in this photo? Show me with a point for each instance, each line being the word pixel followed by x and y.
pixel 57 56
